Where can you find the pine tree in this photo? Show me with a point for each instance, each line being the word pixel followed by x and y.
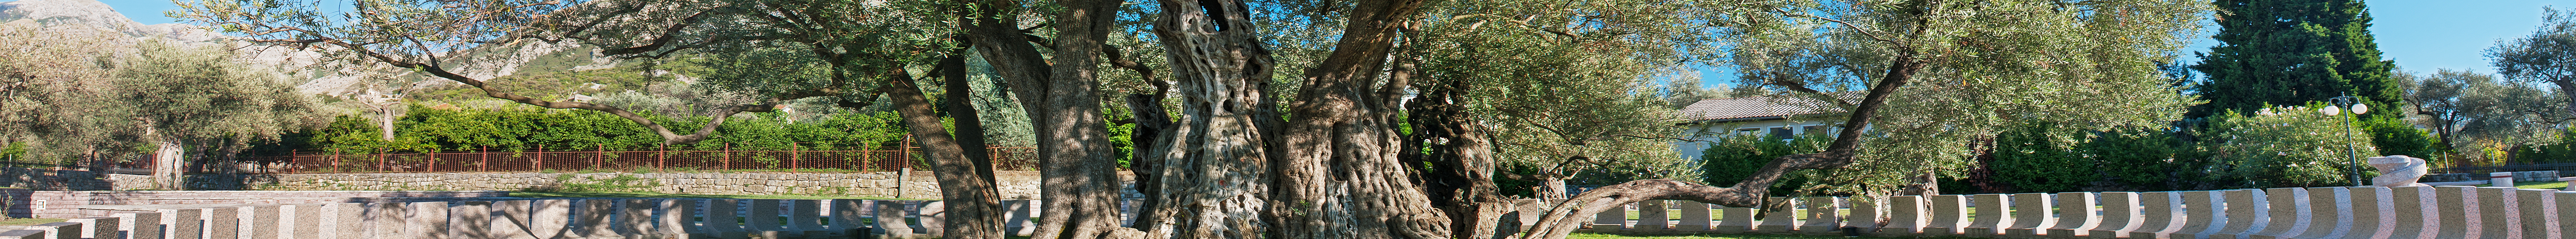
pixel 2290 52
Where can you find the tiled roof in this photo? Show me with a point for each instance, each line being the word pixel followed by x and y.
pixel 1753 107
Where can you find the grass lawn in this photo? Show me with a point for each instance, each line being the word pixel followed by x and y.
pixel 29 221
pixel 2541 185
pixel 670 195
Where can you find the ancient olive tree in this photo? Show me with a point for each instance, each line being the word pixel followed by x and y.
pixel 2544 56
pixel 75 92
pixel 452 40
pixel 1930 76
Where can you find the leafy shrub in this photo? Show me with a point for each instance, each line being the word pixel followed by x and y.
pixel 1731 159
pixel 2282 147
pixel 2034 157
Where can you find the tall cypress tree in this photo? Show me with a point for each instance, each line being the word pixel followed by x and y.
pixel 2290 52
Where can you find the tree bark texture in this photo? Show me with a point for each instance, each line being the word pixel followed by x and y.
pixel 974 204
pixel 960 106
pixel 1234 170
pixel 1072 139
pixel 1212 159
pixel 1460 179
pixel 1151 120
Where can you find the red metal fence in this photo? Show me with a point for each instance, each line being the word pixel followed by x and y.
pixel 790 158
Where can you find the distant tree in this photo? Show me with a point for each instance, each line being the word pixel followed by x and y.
pixel 2548 55
pixel 2474 113
pixel 2290 52
pixel 1921 79
pixel 198 97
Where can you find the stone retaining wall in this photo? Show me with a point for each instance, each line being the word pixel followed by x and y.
pixel 68 204
pixel 1015 185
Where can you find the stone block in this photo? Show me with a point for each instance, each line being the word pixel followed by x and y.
pixel 1610 220
pixel 384 220
pixel 184 223
pixel 1695 216
pixel 2496 216
pixel 2284 219
pixel 2410 212
pixel 98 227
pixel 934 218
pixel 223 222
pixel 763 216
pixel 805 215
pixel 1779 215
pixel 1949 215
pixel 346 221
pixel 724 218
pixel 2031 215
pixel 427 220
pixel 676 217
pixel 470 220
pixel 150 225
pixel 2075 215
pixel 846 214
pixel 23 234
pixel 1994 213
pixel 510 219
pixel 1905 215
pixel 551 219
pixel 2246 213
pixel 260 221
pixel 1823 216
pixel 2538 213
pixel 2121 213
pixel 1864 215
pixel 2368 209
pixel 591 218
pixel 2455 211
pixel 1019 225
pixel 2326 209
pixel 1653 216
pixel 889 219
pixel 2164 215
pixel 59 230
pixel 1738 220
pixel 635 217
pixel 2205 214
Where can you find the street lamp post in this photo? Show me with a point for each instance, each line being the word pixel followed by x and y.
pixel 2349 151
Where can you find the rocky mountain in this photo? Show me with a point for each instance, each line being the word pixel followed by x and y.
pixel 324 73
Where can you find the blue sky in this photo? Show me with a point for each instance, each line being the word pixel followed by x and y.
pixel 2421 35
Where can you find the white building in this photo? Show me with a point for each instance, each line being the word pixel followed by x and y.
pixel 1775 117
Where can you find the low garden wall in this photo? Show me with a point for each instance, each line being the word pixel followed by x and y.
pixel 1015 185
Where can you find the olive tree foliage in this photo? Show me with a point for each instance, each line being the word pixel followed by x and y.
pixel 1564 93
pixel 434 39
pixel 2547 56
pixel 1936 76
pixel 2475 112
pixel 51 79
pixel 74 92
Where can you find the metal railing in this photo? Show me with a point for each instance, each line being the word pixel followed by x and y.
pixel 606 158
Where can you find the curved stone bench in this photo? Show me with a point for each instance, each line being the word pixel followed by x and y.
pixel 2336 212
pixel 525 219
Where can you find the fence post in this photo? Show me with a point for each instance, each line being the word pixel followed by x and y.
pixel 380 160
pixel 486 164
pixel 661 156
pixel 727 161
pixel 598 153
pixel 793 155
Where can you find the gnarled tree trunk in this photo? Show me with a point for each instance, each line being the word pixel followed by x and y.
pixel 1331 173
pixel 1073 143
pixel 974 204
pixel 1460 180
